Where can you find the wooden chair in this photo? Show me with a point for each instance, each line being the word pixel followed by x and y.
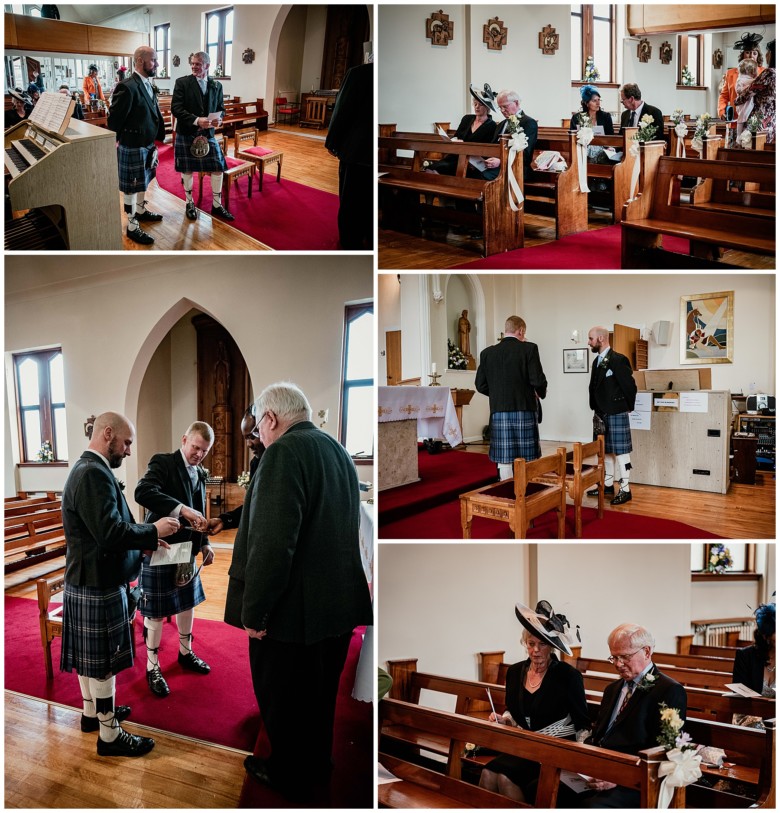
pixel 315 113
pixel 50 619
pixel 260 156
pixel 522 498
pixel 292 110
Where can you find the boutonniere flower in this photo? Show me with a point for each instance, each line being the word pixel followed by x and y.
pixel 203 473
pixel 647 682
pixel 121 484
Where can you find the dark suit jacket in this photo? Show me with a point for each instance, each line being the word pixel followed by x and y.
pixel 510 374
pixel 530 128
pixel 351 130
pixel 612 394
pixel 188 104
pixel 134 116
pixel 104 542
pixel 647 110
pixel 167 484
pixel 639 725
pixel 749 668
pixel 602 118
pixel 296 569
pixel 232 519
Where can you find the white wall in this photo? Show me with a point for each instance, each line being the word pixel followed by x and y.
pixel 314 43
pixel 183 375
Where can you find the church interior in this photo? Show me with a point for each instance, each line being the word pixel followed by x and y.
pixel 279 68
pixel 166 343
pixel 551 198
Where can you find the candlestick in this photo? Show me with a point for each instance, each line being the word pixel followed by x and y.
pixel 434 379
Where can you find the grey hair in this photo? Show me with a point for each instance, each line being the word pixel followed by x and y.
pixel 201 428
pixel 637 636
pixel 286 400
pixel 509 95
pixel 205 58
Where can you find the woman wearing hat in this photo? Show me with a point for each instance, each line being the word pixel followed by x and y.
pixel 92 86
pixel 754 666
pixel 477 127
pixel 762 91
pixel 748 49
pixel 592 115
pixel 543 694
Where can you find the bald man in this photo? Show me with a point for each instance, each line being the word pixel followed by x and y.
pixel 103 554
pixel 612 392
pixel 136 119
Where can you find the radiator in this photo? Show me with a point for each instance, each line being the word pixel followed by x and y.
pixel 718 634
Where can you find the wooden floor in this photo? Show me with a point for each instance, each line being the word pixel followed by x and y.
pixel 744 512
pixel 305 161
pixel 50 763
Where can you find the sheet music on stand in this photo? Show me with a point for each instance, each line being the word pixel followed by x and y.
pixel 52 112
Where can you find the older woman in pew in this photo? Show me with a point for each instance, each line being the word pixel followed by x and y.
pixel 754 666
pixel 762 91
pixel 543 694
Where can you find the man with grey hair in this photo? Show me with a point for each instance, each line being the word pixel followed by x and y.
pixel 297 587
pixel 175 486
pixel 509 104
pixel 198 107
pixel 103 554
pixel 629 718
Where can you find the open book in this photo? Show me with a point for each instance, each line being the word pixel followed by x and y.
pixel 475 161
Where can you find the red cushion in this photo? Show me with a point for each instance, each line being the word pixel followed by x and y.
pixel 258 151
pixel 233 162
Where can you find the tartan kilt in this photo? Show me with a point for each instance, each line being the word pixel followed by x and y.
pixel 185 161
pixel 95 631
pixel 514 434
pixel 162 597
pixel 135 171
pixel 617 438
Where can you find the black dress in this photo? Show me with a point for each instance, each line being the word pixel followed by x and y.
pixel 561 693
pixel 603 119
pixel 749 668
pixel 483 134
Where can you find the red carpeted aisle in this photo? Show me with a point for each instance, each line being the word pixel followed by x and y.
pixel 286 216
pixel 598 248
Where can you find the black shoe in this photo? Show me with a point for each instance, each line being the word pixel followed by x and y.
pixel 191 211
pixel 221 211
pixel 138 235
pixel 258 769
pixel 623 496
pixel 149 217
pixel 88 724
pixel 192 662
pixel 157 682
pixel 609 491
pixel 125 745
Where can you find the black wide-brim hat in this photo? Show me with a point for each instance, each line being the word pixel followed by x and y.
pixel 486 97
pixel 748 42
pixel 545 625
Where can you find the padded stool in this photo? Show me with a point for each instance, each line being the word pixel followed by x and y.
pixel 236 169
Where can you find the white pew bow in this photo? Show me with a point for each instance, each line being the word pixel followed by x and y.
pixel 682 130
pixel 584 137
pixel 517 143
pixel 681 768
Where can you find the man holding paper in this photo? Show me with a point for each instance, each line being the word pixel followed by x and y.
pixel 198 107
pixel 175 486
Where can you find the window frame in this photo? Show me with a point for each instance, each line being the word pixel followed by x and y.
pixel 220 14
pixel 351 313
pixel 748 574
pixel 45 406
pixel 165 62
pixel 587 17
pixel 682 60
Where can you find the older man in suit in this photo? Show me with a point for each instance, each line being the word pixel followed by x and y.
pixel 508 103
pixel 631 99
pixel 136 119
pixel 612 392
pixel 103 555
pixel 510 373
pixel 198 106
pixel 175 486
pixel 297 586
pixel 629 718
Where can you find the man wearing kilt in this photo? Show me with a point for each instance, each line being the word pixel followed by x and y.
pixel 103 554
pixel 136 119
pixel 197 106
pixel 510 374
pixel 175 486
pixel 612 392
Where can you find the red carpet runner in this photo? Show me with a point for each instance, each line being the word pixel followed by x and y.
pixel 286 216
pixel 596 249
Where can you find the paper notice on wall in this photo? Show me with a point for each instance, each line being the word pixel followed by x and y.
pixel 666 402
pixel 694 401
pixel 179 553
pixel 640 420
pixel 644 402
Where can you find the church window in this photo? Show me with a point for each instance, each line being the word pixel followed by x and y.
pixel 219 40
pixel 690 56
pixel 593 35
pixel 162 44
pixel 357 381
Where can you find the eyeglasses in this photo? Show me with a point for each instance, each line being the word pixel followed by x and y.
pixel 623 658
pixel 256 431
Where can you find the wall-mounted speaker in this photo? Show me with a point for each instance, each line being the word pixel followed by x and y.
pixel 662 331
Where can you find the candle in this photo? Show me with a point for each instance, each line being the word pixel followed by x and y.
pixel 433 368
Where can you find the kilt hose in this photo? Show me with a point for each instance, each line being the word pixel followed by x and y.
pixel 185 161
pixel 617 433
pixel 135 168
pixel 162 597
pixel 95 631
pixel 514 434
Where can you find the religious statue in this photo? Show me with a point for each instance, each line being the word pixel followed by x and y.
pixel 464 328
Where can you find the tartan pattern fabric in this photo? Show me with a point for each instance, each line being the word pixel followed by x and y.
pixel 95 631
pixel 135 171
pixel 162 597
pixel 514 434
pixel 617 439
pixel 185 161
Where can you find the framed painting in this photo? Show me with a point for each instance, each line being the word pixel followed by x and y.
pixel 575 360
pixel 707 328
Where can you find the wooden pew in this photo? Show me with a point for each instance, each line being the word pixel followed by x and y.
pixel 748 225
pixel 406 192
pixel 26 498
pixel 686 646
pixel 33 537
pixel 639 772
pixel 243 114
pixel 711 192
pixel 40 504
pixel 690 678
pixel 557 194
pixel 690 152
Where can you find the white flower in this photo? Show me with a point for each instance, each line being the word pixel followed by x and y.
pixel 518 141
pixel 584 136
pixel 647 119
pixel 746 139
pixel 681 129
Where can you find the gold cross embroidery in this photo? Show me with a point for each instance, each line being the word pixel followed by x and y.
pixel 410 409
pixel 435 408
pixel 384 411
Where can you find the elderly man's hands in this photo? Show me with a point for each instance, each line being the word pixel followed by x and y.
pixel 600 784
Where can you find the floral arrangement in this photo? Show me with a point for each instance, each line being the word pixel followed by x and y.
pixel 519 140
pixel 203 473
pixel 720 559
pixel 683 764
pixel 243 479
pixel 455 358
pixel 646 130
pixel 46 453
pixel 121 484
pixel 163 73
pixel 591 71
pixel 753 123
pixel 513 125
pixel 672 735
pixel 678 117
pixel 687 77
pixel 219 71
pixel 647 682
pixel 702 126
pixel 584 119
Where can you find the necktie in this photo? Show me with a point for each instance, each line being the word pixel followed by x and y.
pixel 202 83
pixel 633 119
pixel 193 476
pixel 630 686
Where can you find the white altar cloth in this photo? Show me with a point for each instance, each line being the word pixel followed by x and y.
pixel 433 408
